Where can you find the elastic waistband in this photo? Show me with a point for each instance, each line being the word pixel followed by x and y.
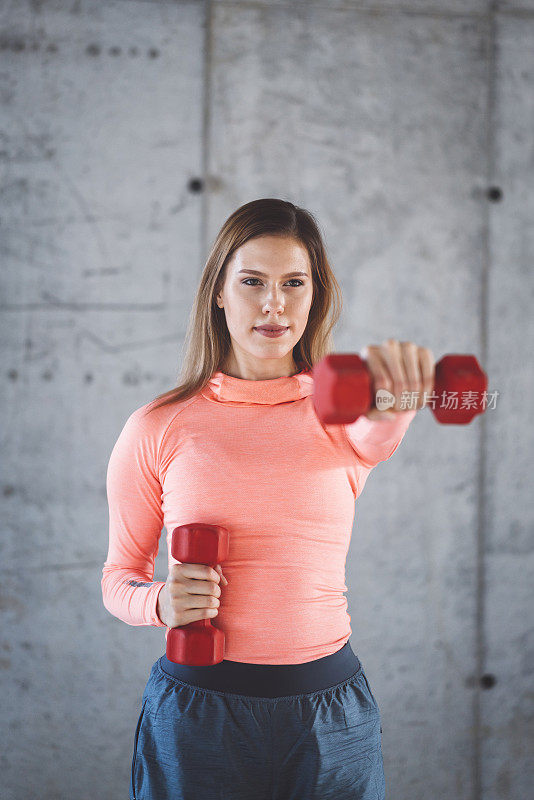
pixel 268 680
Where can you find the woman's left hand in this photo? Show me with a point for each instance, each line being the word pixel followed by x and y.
pixel 399 367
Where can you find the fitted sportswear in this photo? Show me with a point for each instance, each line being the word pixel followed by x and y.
pixel 251 456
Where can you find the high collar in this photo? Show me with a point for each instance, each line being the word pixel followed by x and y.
pixel 226 388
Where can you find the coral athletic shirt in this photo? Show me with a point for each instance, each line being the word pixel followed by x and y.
pixel 253 457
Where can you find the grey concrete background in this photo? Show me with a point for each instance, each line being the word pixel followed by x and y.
pixel 407 129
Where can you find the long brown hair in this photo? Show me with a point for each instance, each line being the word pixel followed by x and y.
pixel 208 340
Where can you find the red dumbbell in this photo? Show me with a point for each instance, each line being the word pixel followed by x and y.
pixel 342 389
pixel 198 643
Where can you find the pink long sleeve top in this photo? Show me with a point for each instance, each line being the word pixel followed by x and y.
pixel 253 457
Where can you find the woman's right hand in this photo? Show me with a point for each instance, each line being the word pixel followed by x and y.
pixel 191 592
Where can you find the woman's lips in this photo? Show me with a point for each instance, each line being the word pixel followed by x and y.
pixel 271 334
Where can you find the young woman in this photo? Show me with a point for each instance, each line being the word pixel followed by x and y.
pixel 289 713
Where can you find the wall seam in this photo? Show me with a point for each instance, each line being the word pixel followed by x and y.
pixel 480 608
pixel 206 121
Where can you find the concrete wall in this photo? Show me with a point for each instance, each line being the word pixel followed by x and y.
pixel 407 129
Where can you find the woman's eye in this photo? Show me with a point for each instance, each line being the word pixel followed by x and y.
pixel 300 283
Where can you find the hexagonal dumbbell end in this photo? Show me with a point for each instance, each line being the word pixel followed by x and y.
pixel 199 643
pixel 460 385
pixel 341 388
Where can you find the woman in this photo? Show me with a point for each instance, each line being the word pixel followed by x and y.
pixel 289 713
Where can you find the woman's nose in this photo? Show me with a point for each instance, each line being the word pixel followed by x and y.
pixel 274 299
pixel 273 306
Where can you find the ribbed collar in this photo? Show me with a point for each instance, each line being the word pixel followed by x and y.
pixel 226 388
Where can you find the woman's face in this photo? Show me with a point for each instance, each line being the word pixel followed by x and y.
pixel 274 296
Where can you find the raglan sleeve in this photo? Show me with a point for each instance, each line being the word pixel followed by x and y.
pixel 135 523
pixel 376 440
